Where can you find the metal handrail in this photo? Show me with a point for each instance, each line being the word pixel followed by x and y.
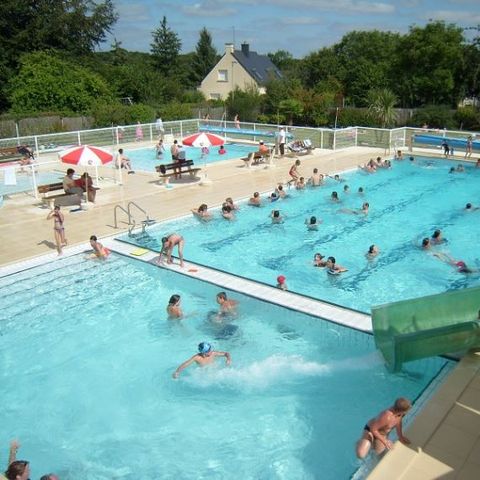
pixel 123 210
pixel 133 204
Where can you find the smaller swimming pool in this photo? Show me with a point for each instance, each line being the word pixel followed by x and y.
pixel 146 158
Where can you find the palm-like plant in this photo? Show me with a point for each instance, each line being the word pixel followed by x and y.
pixel 381 103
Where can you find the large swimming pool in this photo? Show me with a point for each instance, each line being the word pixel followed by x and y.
pixel 86 357
pixel 407 203
pixel 146 159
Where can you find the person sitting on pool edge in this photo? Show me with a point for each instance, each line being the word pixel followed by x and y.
pixel 205 356
pixel 376 430
pixel 99 251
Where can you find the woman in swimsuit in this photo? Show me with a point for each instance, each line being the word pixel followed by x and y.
pixel 58 228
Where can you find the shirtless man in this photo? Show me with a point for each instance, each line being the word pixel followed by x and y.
pixel 205 356
pixel 256 201
pixel 316 179
pixel 227 306
pixel 377 429
pixel 168 244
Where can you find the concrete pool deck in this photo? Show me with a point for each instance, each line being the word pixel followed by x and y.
pixel 445 435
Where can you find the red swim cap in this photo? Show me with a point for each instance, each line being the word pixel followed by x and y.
pixel 281 279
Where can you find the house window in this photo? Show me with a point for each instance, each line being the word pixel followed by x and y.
pixel 215 96
pixel 222 76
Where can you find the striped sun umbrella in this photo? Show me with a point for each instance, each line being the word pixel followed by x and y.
pixel 86 155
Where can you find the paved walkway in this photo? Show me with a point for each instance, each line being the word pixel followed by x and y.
pixel 25 232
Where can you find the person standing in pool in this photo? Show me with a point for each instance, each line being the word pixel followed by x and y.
pixel 168 244
pixel 376 430
pixel 227 306
pixel 205 356
pixel 174 309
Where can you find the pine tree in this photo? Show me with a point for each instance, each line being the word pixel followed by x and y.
pixel 205 56
pixel 165 48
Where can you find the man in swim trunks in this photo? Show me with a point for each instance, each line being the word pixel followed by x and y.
pixel 205 356
pixel 316 179
pixel 377 429
pixel 168 244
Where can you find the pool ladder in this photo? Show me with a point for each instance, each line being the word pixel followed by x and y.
pixel 131 220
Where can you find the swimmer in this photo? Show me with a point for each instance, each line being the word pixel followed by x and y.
pixel 227 306
pixel 376 430
pixel 346 189
pixel 273 197
pixel 318 260
pixel 333 268
pixel 205 356
pixel 169 242
pixel 426 244
pixel 255 201
pixel 459 265
pixel 357 211
pixel 398 155
pixel 280 191
pixel 202 213
pixel 300 184
pixel 281 282
pixel 99 251
pixel 174 309
pixel 334 197
pixel 411 158
pixel 470 208
pixel 477 164
pixel 373 251
pixel 452 170
pixel 337 178
pixel 312 223
pixel 276 217
pixel 460 168
pixel 230 202
pixel 227 212
pixel 316 180
pixel 437 237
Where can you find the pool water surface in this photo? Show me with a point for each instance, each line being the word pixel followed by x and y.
pixel 86 361
pixel 407 203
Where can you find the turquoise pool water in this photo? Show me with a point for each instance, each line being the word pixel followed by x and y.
pixel 145 158
pixel 407 203
pixel 86 357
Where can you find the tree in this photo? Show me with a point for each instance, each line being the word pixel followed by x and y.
pixel 46 82
pixel 381 103
pixel 244 103
pixel 429 61
pixel 282 59
pixel 205 56
pixel 165 48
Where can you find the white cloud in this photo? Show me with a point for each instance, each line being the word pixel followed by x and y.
pixel 208 8
pixel 451 16
pixel 301 21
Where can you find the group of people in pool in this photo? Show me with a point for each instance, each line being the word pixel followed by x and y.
pixel 206 354
pixel 428 244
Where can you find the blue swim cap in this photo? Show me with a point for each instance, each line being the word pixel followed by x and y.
pixel 204 347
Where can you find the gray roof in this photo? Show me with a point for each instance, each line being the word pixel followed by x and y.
pixel 260 67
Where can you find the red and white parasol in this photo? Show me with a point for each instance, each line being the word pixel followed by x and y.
pixel 203 139
pixel 86 155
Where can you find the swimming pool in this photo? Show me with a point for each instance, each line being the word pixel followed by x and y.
pixel 406 204
pixel 86 357
pixel 145 158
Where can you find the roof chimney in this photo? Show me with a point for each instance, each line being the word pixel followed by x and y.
pixel 229 48
pixel 245 48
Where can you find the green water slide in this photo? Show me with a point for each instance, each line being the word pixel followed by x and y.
pixel 427 326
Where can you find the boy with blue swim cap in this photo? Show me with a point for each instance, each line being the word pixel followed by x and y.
pixel 205 356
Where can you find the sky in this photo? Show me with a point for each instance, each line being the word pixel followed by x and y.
pixel 297 26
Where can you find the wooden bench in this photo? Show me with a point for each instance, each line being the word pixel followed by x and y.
pixel 177 168
pixel 9 153
pixel 45 190
pixel 255 158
